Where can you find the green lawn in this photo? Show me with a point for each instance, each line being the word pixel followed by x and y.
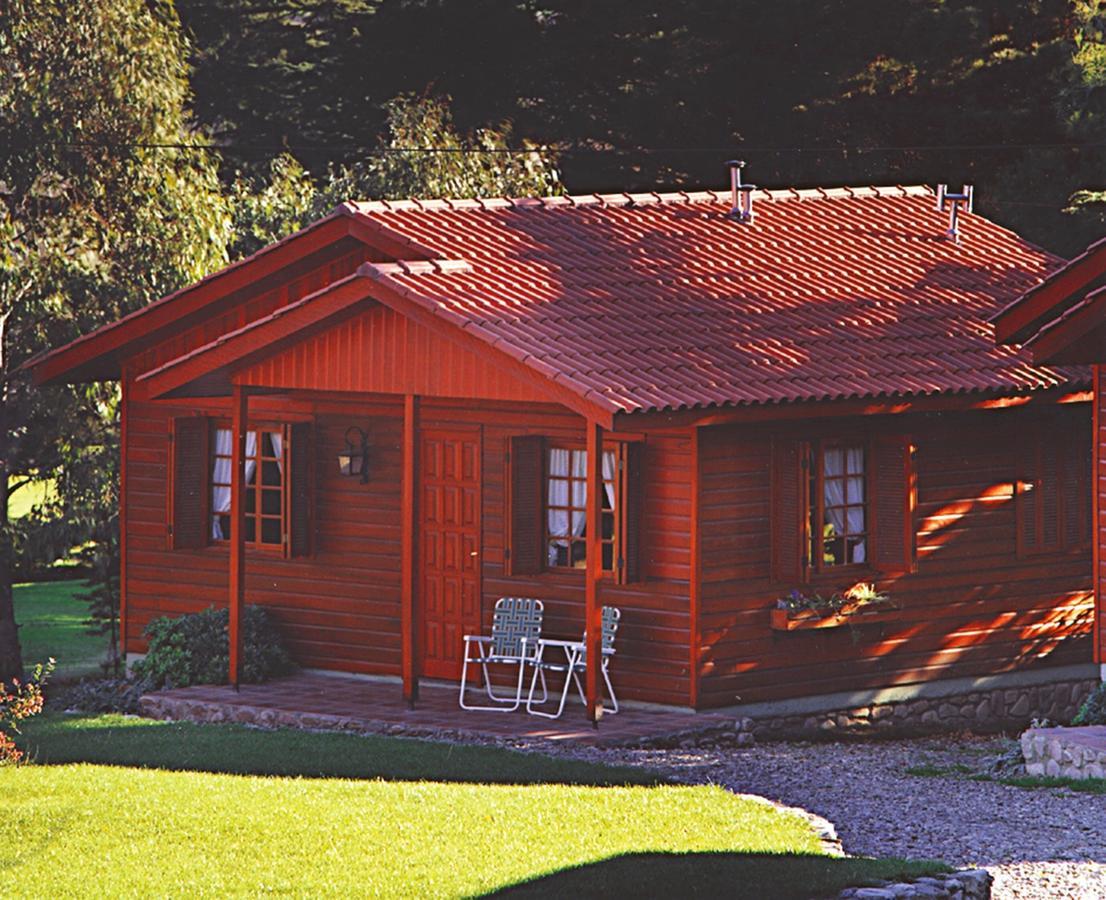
pixel 379 817
pixel 51 621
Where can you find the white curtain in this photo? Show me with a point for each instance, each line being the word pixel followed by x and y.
pixel 609 476
pixel 854 462
pixel 558 496
pixel 579 492
pixel 843 495
pixel 278 449
pixel 220 493
pixel 221 472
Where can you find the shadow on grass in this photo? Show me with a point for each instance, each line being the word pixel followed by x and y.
pixel 753 875
pixel 57 738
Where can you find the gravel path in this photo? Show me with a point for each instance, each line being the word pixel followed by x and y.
pixel 1039 843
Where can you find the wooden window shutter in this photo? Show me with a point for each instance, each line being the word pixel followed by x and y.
pixel 633 505
pixel 893 503
pixel 790 500
pixel 1026 495
pixel 1076 489
pixel 191 482
pixel 299 489
pixel 527 486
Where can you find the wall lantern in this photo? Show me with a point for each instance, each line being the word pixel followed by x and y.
pixel 354 460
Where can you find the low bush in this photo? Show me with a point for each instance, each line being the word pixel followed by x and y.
pixel 1093 710
pixel 102 695
pixel 195 649
pixel 20 700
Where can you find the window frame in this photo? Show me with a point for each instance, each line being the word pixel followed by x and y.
pixel 283 547
pixel 814 562
pixel 619 512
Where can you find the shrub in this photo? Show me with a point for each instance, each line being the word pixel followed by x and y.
pixel 18 701
pixel 1093 710
pixel 103 695
pixel 195 649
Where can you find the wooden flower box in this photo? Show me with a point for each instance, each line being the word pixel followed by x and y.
pixel 808 619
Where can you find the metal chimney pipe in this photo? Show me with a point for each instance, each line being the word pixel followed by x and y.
pixel 741 195
pixel 965 199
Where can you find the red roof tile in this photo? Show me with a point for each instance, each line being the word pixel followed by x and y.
pixel 661 301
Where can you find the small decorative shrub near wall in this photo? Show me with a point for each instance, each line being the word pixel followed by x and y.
pixel 195 649
pixel 1093 710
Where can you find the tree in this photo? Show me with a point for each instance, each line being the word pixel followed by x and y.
pixel 422 154
pixel 105 204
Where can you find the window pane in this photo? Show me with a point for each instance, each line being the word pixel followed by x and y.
pixel 270 473
pixel 558 462
pixel 270 531
pixel 579 554
pixel 854 492
pixel 270 502
pixel 251 529
pixel 608 556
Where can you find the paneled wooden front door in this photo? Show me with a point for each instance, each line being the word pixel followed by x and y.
pixel 449 547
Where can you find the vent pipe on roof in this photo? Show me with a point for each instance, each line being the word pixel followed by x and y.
pixel 741 194
pixel 955 202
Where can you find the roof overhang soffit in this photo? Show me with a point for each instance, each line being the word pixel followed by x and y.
pixel 99 354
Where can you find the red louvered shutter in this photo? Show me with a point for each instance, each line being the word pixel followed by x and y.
pixel 633 502
pixel 1048 487
pixel 1026 493
pixel 300 489
pixel 191 482
pixel 1076 489
pixel 526 465
pixel 893 504
pixel 790 538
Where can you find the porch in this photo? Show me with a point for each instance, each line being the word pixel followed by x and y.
pixel 342 703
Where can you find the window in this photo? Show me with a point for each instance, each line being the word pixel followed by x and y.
pixel 264 493
pixel 566 508
pixel 1053 488
pixel 838 527
pixel 548 495
pixel 276 494
pixel 840 505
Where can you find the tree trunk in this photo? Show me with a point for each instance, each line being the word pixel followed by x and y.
pixel 11 656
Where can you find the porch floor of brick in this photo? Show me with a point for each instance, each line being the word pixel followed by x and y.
pixel 351 704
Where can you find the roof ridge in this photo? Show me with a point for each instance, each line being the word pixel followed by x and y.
pixel 643 198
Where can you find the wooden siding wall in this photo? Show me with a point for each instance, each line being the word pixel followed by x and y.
pixel 971 607
pixel 381 351
pixel 339 607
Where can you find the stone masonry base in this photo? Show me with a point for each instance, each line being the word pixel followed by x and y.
pixel 999 709
pixel 1065 752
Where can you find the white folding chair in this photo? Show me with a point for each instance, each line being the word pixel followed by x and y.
pixel 575 664
pixel 516 628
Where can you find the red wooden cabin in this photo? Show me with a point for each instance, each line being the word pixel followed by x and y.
pixel 634 400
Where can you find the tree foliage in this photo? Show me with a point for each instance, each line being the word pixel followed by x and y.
pixel 100 212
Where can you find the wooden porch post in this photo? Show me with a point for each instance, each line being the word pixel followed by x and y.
pixel 239 427
pixel 408 555
pixel 593 616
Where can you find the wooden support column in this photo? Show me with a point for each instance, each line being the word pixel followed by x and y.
pixel 239 427
pixel 1098 482
pixel 593 606
pixel 408 550
pixel 695 585
pixel 123 439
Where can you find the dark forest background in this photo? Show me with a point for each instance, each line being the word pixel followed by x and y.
pixel 635 95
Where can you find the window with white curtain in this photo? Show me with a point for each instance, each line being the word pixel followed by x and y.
pixel 566 508
pixel 838 505
pixel 265 495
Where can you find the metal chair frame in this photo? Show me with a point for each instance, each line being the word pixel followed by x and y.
pixel 516 630
pixel 575 664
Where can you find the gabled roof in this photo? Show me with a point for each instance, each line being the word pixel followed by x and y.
pixel 662 302
pixel 1064 317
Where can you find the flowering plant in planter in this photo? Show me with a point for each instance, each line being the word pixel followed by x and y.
pixel 797 609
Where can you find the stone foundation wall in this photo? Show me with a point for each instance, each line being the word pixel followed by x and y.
pixel 1001 709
